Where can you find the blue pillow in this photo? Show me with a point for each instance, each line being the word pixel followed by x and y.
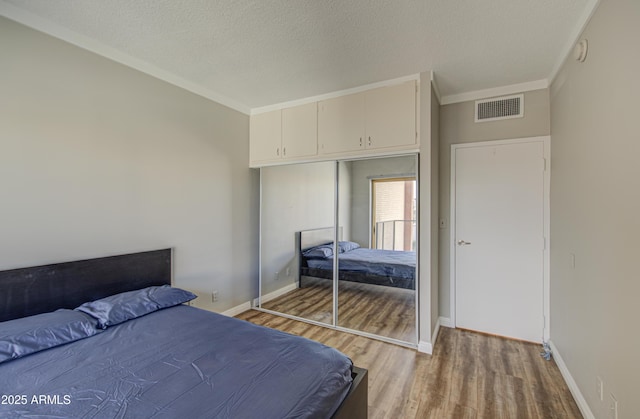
pixel 31 334
pixel 125 306
pixel 346 246
pixel 321 252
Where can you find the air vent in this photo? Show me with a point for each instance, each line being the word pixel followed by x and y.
pixel 505 107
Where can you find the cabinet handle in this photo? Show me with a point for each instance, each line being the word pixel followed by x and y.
pixel 278 151
pixel 369 141
pixel 284 151
pixel 360 141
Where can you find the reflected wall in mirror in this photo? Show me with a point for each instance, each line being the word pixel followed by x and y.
pixel 377 260
pixel 294 198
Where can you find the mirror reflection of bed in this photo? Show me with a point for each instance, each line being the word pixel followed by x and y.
pixel 376 291
pixel 376 252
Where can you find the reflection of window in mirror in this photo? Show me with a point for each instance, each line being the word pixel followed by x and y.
pixel 393 213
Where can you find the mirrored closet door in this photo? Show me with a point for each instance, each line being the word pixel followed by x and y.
pixel 339 242
pixel 377 256
pixel 297 198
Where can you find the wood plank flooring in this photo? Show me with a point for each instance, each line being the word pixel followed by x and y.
pixel 469 375
pixel 393 315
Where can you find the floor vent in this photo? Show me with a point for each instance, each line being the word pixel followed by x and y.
pixel 505 107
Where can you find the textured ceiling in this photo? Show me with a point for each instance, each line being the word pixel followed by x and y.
pixel 262 52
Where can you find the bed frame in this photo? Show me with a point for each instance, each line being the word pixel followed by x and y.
pixel 310 238
pixel 29 291
pixel 35 290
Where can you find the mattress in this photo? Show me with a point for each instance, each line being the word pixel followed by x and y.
pixel 178 362
pixel 388 263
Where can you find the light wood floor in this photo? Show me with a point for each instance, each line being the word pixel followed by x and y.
pixel 393 315
pixel 469 375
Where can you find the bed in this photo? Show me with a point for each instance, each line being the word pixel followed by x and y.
pixel 123 343
pixel 356 264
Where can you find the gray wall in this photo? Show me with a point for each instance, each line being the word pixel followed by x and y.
pixel 595 204
pixel 425 330
pixel 99 159
pixel 435 212
pixel 457 126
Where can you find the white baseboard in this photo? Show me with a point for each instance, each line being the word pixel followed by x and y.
pixel 571 383
pixel 234 311
pixel 427 347
pixel 275 294
pixel 434 334
pixel 446 322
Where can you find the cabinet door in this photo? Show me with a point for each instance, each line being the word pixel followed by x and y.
pixel 391 116
pixel 265 136
pixel 341 124
pixel 300 131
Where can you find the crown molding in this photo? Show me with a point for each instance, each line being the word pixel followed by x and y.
pixel 584 19
pixel 84 42
pixel 495 91
pixel 332 95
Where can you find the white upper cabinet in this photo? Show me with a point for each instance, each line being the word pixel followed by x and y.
pixel 341 124
pixel 380 120
pixel 391 116
pixel 287 134
pixel 377 119
pixel 300 131
pixel 265 137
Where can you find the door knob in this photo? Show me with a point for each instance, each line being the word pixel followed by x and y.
pixel 463 243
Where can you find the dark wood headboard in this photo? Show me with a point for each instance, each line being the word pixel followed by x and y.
pixel 28 291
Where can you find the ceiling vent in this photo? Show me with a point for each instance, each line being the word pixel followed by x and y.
pixel 505 107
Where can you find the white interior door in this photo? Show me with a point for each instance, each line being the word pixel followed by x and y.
pixel 499 239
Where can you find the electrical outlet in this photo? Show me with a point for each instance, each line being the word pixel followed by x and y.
pixel 599 388
pixel 214 296
pixel 613 407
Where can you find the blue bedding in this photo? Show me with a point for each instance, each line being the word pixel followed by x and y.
pixel 178 362
pixel 389 263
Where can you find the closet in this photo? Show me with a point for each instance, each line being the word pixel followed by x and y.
pixel 335 249
pixel 324 259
